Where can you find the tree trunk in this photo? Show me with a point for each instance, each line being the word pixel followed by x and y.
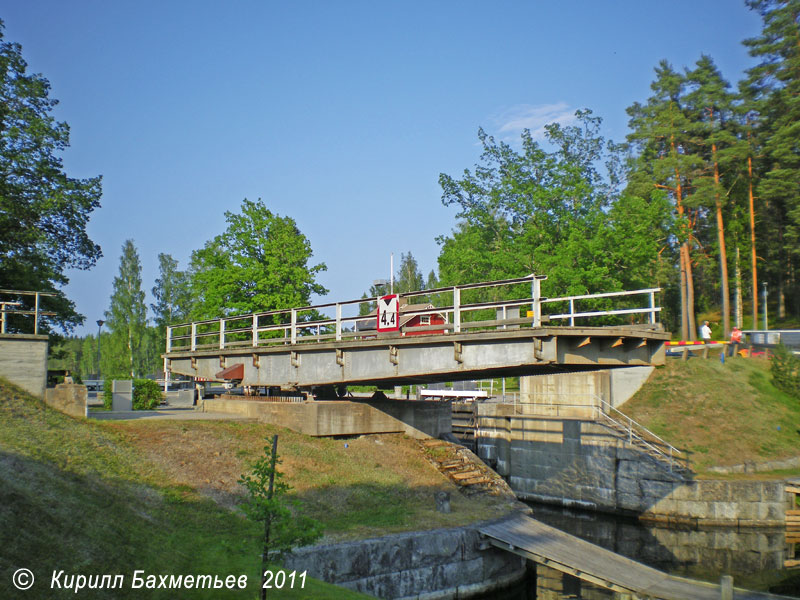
pixel 690 297
pixel 753 242
pixel 723 257
pixel 684 312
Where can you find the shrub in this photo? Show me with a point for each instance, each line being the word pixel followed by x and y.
pixel 146 394
pixel 785 369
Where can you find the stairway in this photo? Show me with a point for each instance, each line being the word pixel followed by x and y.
pixel 468 472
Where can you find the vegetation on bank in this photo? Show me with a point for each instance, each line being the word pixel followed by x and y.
pixel 722 414
pixel 110 497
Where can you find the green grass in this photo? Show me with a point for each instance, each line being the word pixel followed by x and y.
pixel 77 496
pixel 723 414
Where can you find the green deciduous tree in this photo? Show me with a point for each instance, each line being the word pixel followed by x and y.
pixel 260 263
pixel 126 319
pixel 550 212
pixel 43 211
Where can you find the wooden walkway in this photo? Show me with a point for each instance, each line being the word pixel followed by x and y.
pixel 548 546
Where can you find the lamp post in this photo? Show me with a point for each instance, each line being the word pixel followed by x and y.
pixel 99 325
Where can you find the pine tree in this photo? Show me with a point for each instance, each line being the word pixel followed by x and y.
pixel 710 109
pixel 773 90
pixel 660 134
pixel 127 317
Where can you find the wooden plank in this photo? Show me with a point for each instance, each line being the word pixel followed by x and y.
pixel 466 475
pixel 793 489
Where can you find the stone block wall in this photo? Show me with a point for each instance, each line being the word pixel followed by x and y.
pixel 23 361
pixel 69 398
pixel 443 563
pixel 577 462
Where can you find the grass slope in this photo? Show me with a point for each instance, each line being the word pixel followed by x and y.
pixel 97 497
pixel 723 414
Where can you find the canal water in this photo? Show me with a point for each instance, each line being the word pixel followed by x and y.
pixel 754 557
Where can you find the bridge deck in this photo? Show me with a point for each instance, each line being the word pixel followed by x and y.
pixel 546 545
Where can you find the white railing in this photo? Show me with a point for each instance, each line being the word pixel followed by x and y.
pixel 10 307
pixel 308 324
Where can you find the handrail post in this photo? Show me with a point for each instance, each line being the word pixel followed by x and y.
pixel 194 337
pixel 255 330
pixel 536 295
pixel 221 334
pixel 571 312
pixel 294 326
pixel 338 322
pixel 652 308
pixel 169 339
pixel 36 316
pixel 456 310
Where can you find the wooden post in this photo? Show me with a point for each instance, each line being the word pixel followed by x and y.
pixel 338 322
pixel 255 330
pixel 294 326
pixel 537 306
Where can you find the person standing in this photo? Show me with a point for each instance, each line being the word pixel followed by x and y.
pixel 736 339
pixel 705 333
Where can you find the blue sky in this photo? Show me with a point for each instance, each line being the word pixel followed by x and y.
pixel 341 115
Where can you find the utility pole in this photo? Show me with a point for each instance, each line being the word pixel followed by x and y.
pixel 99 325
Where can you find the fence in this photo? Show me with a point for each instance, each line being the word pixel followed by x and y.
pixel 12 308
pixel 307 325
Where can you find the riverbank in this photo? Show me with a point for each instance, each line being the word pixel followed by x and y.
pixel 723 415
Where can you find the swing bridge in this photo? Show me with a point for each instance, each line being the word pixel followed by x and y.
pixel 482 330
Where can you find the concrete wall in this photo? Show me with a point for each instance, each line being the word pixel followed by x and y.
pixel 562 390
pixel 339 417
pixel 23 361
pixel 443 563
pixel 69 398
pixel 578 462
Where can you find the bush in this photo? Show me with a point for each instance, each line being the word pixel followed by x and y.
pixel 146 394
pixel 785 369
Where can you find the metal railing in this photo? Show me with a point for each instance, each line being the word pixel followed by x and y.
pixel 635 432
pixel 10 307
pixel 308 324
